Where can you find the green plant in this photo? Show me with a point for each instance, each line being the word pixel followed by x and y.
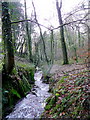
pixel 4 96
pixel 52 101
pixel 15 92
pixel 14 71
pixel 62 80
pixel 48 107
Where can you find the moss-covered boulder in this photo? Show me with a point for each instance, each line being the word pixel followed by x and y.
pixel 16 85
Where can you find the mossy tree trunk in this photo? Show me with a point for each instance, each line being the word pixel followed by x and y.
pixel 7 38
pixel 64 49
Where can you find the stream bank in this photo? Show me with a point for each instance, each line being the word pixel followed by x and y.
pixel 70 89
pixel 32 106
pixel 16 85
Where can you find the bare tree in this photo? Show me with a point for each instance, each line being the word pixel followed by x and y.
pixel 52 47
pixel 41 35
pixel 64 49
pixel 29 43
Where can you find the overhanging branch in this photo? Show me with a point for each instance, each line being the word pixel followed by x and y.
pixel 47 27
pixel 30 21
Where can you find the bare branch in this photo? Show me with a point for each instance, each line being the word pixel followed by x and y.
pixel 70 23
pixel 47 27
pixel 60 4
pixel 30 21
pixel 72 13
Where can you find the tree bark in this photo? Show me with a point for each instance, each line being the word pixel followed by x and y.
pixel 52 47
pixel 89 36
pixel 64 49
pixel 79 38
pixel 29 43
pixel 7 38
pixel 41 35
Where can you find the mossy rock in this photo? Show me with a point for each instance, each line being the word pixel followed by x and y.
pixel 46 79
pixel 18 84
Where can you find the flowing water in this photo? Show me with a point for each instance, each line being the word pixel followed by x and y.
pixel 33 104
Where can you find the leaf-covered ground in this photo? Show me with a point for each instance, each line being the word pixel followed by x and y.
pixel 70 88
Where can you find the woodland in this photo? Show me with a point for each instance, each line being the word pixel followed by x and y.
pixel 61 52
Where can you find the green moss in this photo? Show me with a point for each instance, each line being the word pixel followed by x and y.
pixel 31 75
pixel 62 80
pixel 48 99
pixel 18 84
pixel 52 101
pixel 14 71
pixel 25 66
pixel 14 92
pixel 51 80
pixel 1 65
pixel 55 115
pixel 53 110
pixel 57 106
pixel 29 68
pixel 79 81
pixel 48 107
pixel 69 103
pixel 57 94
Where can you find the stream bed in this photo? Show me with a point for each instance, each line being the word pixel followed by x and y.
pixel 33 104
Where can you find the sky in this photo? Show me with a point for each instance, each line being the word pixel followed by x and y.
pixel 46 10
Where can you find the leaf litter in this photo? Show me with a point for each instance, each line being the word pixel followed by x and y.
pixel 70 93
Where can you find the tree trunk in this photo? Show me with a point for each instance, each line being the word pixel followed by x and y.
pixel 41 35
pixel 52 47
pixel 89 36
pixel 36 55
pixel 29 43
pixel 64 50
pixel 79 38
pixel 7 38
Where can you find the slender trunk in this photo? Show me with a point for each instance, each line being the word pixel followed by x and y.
pixel 29 43
pixel 7 38
pixel 52 47
pixel 79 38
pixel 75 54
pixel 36 55
pixel 89 36
pixel 21 48
pixel 44 47
pixel 41 35
pixel 68 36
pixel 64 49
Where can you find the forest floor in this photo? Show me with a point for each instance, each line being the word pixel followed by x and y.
pixel 70 89
pixel 67 68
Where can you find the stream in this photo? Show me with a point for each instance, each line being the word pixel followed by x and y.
pixel 33 104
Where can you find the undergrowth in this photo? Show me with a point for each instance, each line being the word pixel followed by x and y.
pixel 70 98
